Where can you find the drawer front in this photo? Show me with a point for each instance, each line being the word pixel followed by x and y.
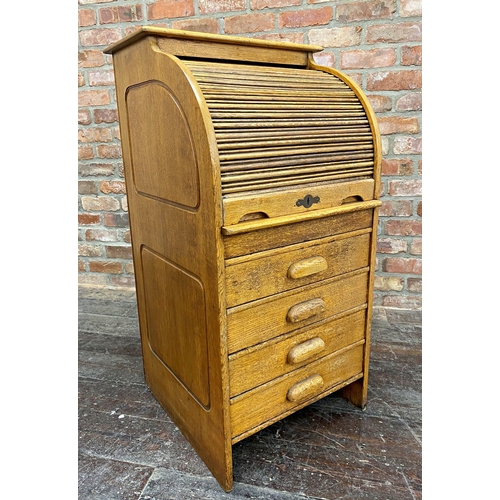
pixel 268 273
pixel 250 368
pixel 266 402
pixel 276 237
pixel 264 319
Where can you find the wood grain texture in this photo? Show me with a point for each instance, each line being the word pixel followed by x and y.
pixel 253 179
pixel 176 224
pixel 263 319
pixel 252 367
pixel 270 400
pixel 267 273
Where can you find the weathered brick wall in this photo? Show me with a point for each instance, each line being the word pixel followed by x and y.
pixel 378 43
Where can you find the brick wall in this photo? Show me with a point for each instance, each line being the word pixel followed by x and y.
pixel 378 43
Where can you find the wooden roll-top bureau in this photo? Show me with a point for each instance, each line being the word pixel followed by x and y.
pixel 252 181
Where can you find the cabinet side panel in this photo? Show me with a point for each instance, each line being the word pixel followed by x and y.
pixel 175 218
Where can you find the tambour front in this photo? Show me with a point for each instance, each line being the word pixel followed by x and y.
pixel 252 180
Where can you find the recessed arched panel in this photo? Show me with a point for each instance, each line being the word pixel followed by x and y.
pixel 163 156
pixel 176 322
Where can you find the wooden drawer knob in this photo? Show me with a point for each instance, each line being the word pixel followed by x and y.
pixel 307 267
pixel 305 350
pixel 305 310
pixel 305 388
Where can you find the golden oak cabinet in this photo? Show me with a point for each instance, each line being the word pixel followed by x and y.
pixel 252 180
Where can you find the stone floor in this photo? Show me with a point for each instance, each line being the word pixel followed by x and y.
pixel 129 449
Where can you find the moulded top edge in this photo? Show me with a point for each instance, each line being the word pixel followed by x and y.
pixel 208 37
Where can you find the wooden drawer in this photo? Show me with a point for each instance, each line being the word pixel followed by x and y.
pixel 268 238
pixel 263 319
pixel 282 395
pixel 252 367
pixel 268 273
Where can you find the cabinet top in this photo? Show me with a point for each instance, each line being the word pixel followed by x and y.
pixel 207 37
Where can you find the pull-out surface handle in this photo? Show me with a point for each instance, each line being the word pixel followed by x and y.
pixel 307 267
pixel 305 310
pixel 305 350
pixel 305 388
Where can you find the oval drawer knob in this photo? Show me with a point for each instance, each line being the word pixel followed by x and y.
pixel 307 267
pixel 305 350
pixel 305 310
pixel 304 388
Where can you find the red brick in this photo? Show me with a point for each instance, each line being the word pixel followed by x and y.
pixel 85 153
pixel 401 265
pixel 96 169
pixel 84 117
pixel 109 151
pixel 118 252
pixel 90 59
pixel 414 285
pixel 410 102
pixel 407 187
pixel 93 98
pixel 117 187
pixel 129 268
pixel 419 209
pixel 295 37
pixel 87 17
pixel 202 25
pixel 363 11
pixel 100 203
pixel 86 250
pixel 271 4
pixel 124 203
pixel 101 78
pixel 416 246
pixel 122 14
pixel 102 36
pixel 88 219
pixel 395 80
pixel 104 266
pixel 391 245
pixel 403 228
pixel 249 23
pixel 105 116
pixel 116 220
pixel 397 208
pixel 170 8
pixel 305 17
pixel 397 125
pixel 336 37
pixel 402 302
pixel 325 58
pixel 397 167
pixel 101 235
pixel 394 33
pixel 214 6
pixel 411 56
pixel 95 135
pixel 375 58
pixel 81 79
pixel 410 8
pixel 81 265
pixel 380 103
pixel 87 187
pixel 407 145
